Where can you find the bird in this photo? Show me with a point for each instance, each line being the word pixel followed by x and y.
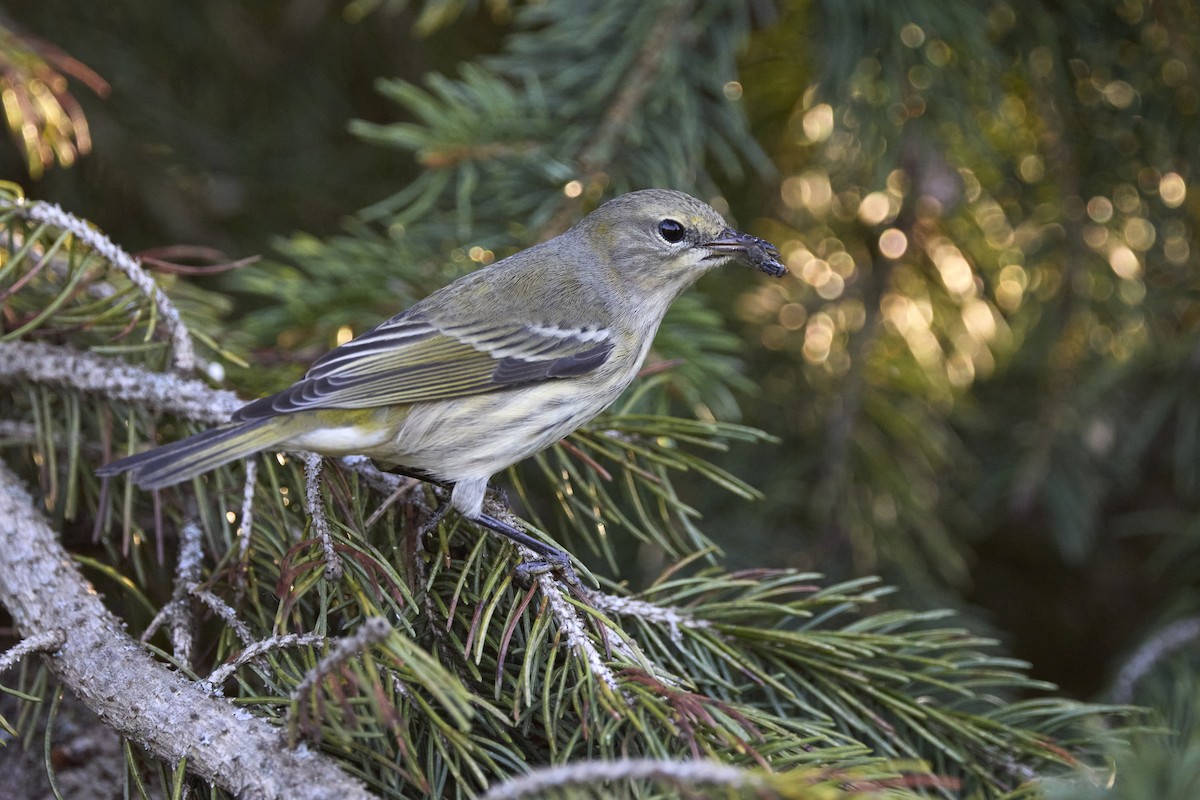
pixel 493 367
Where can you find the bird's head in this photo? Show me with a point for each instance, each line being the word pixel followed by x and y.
pixel 661 241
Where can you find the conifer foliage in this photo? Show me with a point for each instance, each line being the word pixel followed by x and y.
pixel 951 239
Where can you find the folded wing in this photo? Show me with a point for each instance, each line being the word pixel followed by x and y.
pixel 409 359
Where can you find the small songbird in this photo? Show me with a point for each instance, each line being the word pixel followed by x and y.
pixel 494 367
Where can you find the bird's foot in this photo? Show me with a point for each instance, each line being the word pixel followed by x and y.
pixel 553 562
pixel 552 559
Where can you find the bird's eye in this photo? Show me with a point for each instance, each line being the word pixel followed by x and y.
pixel 671 231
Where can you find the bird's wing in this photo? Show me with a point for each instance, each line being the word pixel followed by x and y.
pixel 410 359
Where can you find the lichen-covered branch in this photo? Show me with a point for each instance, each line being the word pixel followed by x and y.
pixel 182 352
pixel 85 372
pixel 141 699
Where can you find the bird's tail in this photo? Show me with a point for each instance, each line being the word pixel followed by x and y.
pixel 187 458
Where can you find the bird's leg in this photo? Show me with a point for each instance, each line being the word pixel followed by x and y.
pixel 553 559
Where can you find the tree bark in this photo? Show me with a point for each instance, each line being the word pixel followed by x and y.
pixel 140 698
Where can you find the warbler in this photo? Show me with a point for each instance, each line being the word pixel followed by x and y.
pixel 493 367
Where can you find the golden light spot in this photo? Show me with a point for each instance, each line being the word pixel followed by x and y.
pixel 960 370
pixel 1124 262
pixel 978 320
pixel 818 338
pixel 732 90
pixel 798 258
pixel 1011 288
pixel 1174 72
pixel 833 287
pixel 842 263
pixel 793 316
pixel 954 268
pixel 1015 273
pixel 1001 18
pixel 938 53
pixel 1100 209
pixel 1127 199
pixel 816 272
pixel 230 517
pixel 818 122
pixel 1095 236
pixel 760 305
pixel 1131 292
pixel 1176 249
pixel 480 255
pixel 911 319
pixel 893 243
pixel 1041 62
pixel 1172 189
pixel 920 76
pixel 874 208
pixel 1119 94
pixel 1009 294
pixel 573 189
pixel 343 335
pixel 912 35
pixel 1013 110
pixel 811 190
pixel 1032 169
pixel 774 337
pixel 1139 233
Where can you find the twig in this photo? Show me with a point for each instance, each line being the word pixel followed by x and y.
pixel 369 632
pixel 142 700
pixel 187 573
pixel 224 611
pixel 316 510
pixel 677 773
pixel 670 616
pixel 247 508
pixel 570 624
pixel 177 611
pixel 383 482
pixel 256 650
pixel 182 353
pixel 115 380
pixel 1152 652
pixel 43 642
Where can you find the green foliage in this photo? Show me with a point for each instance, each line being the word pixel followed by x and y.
pixel 474 676
pixel 982 376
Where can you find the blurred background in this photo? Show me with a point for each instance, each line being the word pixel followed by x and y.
pixel 983 369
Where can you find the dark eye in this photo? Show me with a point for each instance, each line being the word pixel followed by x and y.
pixel 671 231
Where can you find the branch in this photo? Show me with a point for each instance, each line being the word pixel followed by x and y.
pixel 43 642
pixel 182 352
pixel 141 699
pixel 1152 652
pixel 584 773
pixel 114 380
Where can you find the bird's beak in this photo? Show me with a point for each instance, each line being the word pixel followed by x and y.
pixel 758 253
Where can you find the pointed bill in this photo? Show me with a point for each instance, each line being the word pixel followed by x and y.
pixel 758 253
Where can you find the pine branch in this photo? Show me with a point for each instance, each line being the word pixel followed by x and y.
pixel 183 354
pixel 64 368
pixel 151 705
